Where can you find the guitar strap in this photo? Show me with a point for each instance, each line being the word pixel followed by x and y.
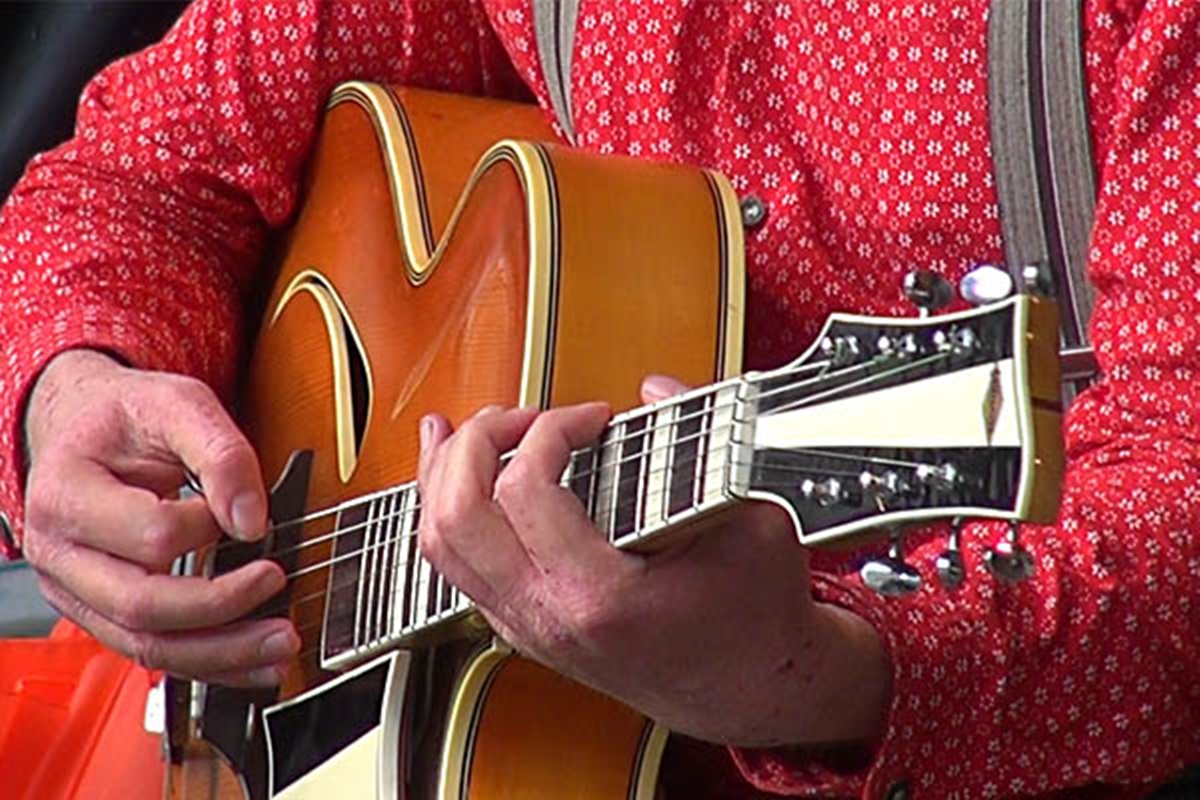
pixel 1041 150
pixel 1041 154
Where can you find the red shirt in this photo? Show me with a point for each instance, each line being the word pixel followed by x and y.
pixel 863 125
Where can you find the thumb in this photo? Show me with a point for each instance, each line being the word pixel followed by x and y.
pixel 208 442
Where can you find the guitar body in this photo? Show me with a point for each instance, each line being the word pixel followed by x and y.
pixel 432 269
pixel 443 261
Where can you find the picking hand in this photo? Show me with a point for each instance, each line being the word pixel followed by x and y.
pixel 109 447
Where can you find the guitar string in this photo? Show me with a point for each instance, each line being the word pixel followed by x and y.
pixel 621 504
pixel 408 566
pixel 406 513
pixel 620 419
pixel 625 503
pixel 595 455
pixel 398 585
pixel 388 636
pixel 390 541
pixel 610 467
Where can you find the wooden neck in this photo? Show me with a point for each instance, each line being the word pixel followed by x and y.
pixel 654 468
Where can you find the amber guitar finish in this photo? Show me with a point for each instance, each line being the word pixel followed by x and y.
pixel 439 266
pixel 448 255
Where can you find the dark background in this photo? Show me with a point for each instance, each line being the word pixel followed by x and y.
pixel 48 50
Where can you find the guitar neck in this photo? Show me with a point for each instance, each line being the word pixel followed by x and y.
pixel 823 436
pixel 653 469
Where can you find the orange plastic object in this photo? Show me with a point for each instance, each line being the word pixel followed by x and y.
pixel 71 716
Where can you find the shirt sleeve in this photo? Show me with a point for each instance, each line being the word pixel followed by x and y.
pixel 1084 675
pixel 141 235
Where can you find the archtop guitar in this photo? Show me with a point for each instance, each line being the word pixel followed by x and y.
pixel 449 255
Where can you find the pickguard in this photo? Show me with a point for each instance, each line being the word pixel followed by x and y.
pixel 339 739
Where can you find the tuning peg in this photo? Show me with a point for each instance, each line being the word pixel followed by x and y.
pixel 1008 561
pixel 825 493
pixel 841 350
pixel 891 576
pixel 940 478
pixel 883 488
pixel 927 290
pixel 949 565
pixel 985 284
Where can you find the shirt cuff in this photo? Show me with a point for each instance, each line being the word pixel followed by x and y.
pixel 26 354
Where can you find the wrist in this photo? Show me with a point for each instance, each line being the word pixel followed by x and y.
pixel 61 375
pixel 856 680
pixel 830 687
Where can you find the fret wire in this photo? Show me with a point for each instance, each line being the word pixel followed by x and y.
pixel 406 528
pixel 643 484
pixel 362 583
pixel 410 565
pixel 703 440
pixel 373 573
pixel 393 528
pixel 389 562
pixel 707 472
pixel 379 569
pixel 447 609
pixel 628 473
pixel 665 505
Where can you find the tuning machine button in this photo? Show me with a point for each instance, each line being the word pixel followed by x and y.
pixel 959 341
pixel 939 478
pixel 891 576
pixel 825 493
pixel 927 290
pixel 985 285
pixel 951 571
pixel 1008 561
pixel 841 350
pixel 885 487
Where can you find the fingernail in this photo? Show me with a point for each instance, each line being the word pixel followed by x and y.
pixel 660 386
pixel 264 676
pixel 278 645
pixel 248 515
pixel 426 432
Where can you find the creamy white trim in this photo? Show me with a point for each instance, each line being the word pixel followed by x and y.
pixel 453 781
pixel 735 277
pixel 645 786
pixel 337 321
pixel 366 769
pixel 946 410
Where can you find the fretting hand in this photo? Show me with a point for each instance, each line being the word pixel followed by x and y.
pixel 109 446
pixel 718 638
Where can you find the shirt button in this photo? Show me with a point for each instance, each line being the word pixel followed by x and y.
pixel 898 791
pixel 754 211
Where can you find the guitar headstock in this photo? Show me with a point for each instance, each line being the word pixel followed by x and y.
pixel 888 422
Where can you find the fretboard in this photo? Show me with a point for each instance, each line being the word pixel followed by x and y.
pixel 654 468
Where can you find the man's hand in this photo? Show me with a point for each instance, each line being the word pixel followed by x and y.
pixel 109 446
pixel 718 638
